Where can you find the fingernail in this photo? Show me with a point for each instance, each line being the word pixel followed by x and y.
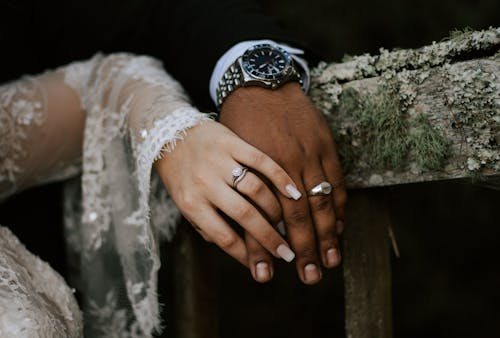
pixel 281 228
pixel 285 253
pixel 262 271
pixel 292 190
pixel 311 273
pixel 340 226
pixel 332 257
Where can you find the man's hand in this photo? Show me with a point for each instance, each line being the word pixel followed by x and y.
pixel 285 125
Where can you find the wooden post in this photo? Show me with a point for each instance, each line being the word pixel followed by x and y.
pixel 194 296
pixel 367 271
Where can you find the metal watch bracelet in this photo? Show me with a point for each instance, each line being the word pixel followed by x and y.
pixel 233 78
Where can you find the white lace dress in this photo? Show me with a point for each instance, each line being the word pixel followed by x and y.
pixel 125 111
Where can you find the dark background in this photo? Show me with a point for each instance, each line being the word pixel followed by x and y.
pixel 447 281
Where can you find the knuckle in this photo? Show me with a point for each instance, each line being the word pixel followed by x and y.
pixel 307 253
pixel 321 203
pixel 255 187
pixel 278 172
pixel 243 211
pixel 257 254
pixel 316 178
pixel 226 240
pixel 329 242
pixel 297 217
pixel 199 179
pixel 257 158
pixel 275 213
pixel 189 202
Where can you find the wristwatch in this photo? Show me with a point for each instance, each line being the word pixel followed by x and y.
pixel 264 65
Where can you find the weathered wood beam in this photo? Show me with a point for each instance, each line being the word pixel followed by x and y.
pixel 416 115
pixel 367 270
pixel 400 117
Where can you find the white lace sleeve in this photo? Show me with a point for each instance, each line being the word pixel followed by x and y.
pixel 130 111
pixel 40 138
pixel 35 301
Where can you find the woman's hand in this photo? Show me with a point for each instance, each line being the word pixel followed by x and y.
pixel 198 176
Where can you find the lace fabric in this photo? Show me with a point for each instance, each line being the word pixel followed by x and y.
pixel 126 111
pixel 34 299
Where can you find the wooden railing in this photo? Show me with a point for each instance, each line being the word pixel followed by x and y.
pixel 399 117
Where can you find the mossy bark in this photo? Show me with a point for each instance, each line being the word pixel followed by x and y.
pixel 416 115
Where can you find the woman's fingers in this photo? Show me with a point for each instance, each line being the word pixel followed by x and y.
pixel 259 260
pixel 213 226
pixel 247 216
pixel 197 174
pixel 256 159
pixel 260 195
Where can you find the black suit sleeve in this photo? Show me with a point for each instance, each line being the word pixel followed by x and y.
pixel 189 36
pixel 193 34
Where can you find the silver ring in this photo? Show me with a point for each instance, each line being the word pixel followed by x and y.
pixel 238 174
pixel 324 188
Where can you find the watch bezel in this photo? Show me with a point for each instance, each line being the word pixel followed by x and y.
pixel 251 71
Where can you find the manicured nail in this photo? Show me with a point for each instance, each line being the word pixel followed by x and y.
pixel 340 226
pixel 281 228
pixel 292 190
pixel 332 257
pixel 285 253
pixel 311 273
pixel 262 271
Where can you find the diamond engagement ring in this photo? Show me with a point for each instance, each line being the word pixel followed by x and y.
pixel 238 174
pixel 324 188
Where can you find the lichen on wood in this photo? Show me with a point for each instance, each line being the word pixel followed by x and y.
pixel 456 47
pixel 415 115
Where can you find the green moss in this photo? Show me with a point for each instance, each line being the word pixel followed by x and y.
pixel 385 129
pixel 384 137
pixel 431 148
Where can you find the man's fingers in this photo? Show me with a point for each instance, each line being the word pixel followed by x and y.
pixel 302 238
pixel 259 260
pixel 323 214
pixel 333 172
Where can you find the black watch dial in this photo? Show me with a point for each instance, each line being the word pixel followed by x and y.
pixel 266 62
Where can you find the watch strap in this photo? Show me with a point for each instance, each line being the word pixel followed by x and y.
pixel 230 81
pixel 233 78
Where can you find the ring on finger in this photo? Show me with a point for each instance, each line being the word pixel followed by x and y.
pixel 321 189
pixel 238 174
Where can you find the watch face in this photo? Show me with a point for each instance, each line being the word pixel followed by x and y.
pixel 266 61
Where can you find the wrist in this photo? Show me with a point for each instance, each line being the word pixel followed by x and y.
pixel 254 97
